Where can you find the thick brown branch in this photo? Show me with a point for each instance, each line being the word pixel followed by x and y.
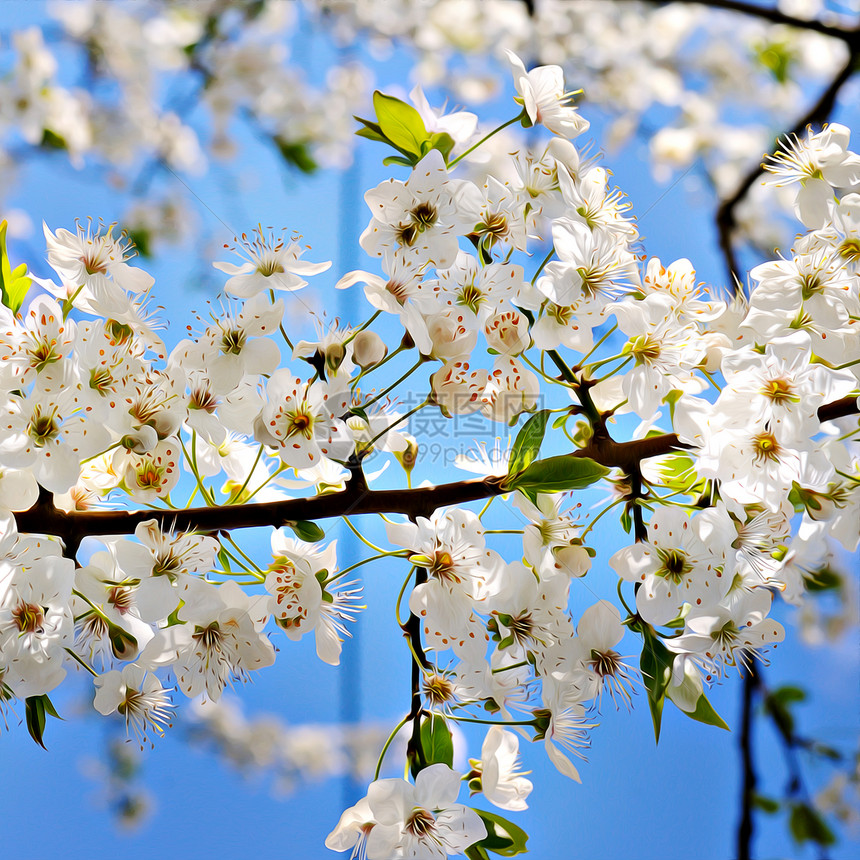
pixel 44 518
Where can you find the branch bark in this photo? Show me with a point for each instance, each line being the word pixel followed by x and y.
pixel 45 518
pixel 816 115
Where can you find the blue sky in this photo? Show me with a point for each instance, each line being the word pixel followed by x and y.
pixel 636 800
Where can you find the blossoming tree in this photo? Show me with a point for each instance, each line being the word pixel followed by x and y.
pixel 515 289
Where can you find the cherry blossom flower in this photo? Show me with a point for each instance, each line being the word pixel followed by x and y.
pixel 541 92
pixel 272 264
pixel 219 640
pixel 420 820
pixel 496 775
pixel 137 696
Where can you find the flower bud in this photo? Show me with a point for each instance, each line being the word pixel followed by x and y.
pixel 368 349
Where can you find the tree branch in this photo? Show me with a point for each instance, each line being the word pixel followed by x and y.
pixel 751 685
pixel 816 115
pixel 45 518
pixel 774 16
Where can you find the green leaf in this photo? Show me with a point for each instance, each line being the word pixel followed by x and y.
pixel 401 124
pixel 142 241
pixel 371 130
pixel 476 852
pixel 503 837
pixel 824 751
pixel 306 530
pixel 807 825
pixel 224 560
pixel 399 160
pixel 705 713
pixel 777 705
pixel 297 154
pixel 36 708
pixel 528 442
pixel 655 665
pixel 823 579
pixel 14 283
pixel 557 474
pixel 442 141
pixel 436 741
pixel 765 804
pixel 52 140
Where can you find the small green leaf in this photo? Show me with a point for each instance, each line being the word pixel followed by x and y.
pixel 528 442
pixel 807 825
pixel 477 852
pixel 306 530
pixel 297 154
pixel 442 141
pixel 36 708
pixel 823 579
pixel 399 160
pixel 705 713
pixel 825 751
pixel 52 140
pixel 371 131
pixel 436 741
pixel 557 474
pixel 14 283
pixel 141 239
pixel 788 694
pixel 655 665
pixel 778 704
pixel 765 804
pixel 400 123
pixel 503 837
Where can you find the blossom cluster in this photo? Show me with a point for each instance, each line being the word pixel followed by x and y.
pixel 756 398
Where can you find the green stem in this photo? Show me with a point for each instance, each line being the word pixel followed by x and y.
pixel 238 495
pixel 546 376
pixel 82 662
pixel 491 722
pixel 541 267
pixel 394 384
pixel 400 420
pixel 604 511
pixel 387 744
pixel 346 570
pixel 376 366
pixel 484 139
pixel 252 566
pixel 400 597
pixel 362 538
pixel 362 327
pixel 599 343
pixel 512 666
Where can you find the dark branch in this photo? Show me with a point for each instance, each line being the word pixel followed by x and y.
pixel 45 518
pixel 750 779
pixel 774 16
pixel 816 115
